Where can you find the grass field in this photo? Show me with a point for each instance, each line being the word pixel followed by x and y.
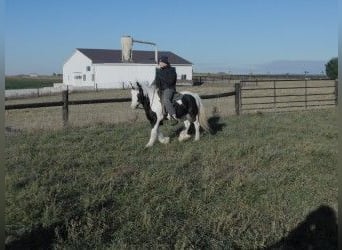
pixel 12 82
pixel 259 182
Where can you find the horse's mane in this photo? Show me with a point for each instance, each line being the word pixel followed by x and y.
pixel 148 89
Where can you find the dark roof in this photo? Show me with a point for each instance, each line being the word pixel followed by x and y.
pixel 139 56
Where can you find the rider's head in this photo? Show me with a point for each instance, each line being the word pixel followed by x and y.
pixel 164 61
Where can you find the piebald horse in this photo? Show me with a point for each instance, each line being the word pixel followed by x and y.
pixel 189 108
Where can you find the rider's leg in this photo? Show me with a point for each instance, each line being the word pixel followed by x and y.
pixel 167 96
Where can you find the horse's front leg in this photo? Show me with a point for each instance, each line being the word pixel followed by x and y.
pixel 184 133
pixel 154 134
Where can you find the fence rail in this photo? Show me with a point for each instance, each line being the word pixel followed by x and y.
pixel 291 95
pixel 66 102
pixel 241 103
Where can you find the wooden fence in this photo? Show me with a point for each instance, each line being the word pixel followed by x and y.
pixel 286 94
pixel 249 96
pixel 65 102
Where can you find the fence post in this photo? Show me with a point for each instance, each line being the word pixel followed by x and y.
pixel 65 107
pixel 306 94
pixel 237 98
pixel 274 96
pixel 336 92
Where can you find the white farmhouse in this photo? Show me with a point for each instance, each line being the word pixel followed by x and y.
pixel 105 68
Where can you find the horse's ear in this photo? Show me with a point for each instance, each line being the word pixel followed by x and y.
pixel 131 85
pixel 138 84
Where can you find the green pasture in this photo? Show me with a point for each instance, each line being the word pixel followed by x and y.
pixel 30 82
pixel 254 184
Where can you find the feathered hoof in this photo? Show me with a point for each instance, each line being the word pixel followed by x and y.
pixel 166 140
pixel 183 137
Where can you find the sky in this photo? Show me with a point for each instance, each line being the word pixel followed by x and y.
pixel 232 36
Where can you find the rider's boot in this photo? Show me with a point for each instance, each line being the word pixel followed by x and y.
pixel 174 120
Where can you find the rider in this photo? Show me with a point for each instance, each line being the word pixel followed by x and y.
pixel 165 81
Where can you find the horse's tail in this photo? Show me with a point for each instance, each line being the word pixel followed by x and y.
pixel 202 117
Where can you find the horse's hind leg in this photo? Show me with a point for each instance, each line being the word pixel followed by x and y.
pixel 197 129
pixel 184 133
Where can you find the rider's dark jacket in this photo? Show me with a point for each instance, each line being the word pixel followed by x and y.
pixel 166 78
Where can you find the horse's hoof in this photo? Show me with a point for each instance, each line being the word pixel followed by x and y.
pixel 166 140
pixel 183 137
pixel 148 145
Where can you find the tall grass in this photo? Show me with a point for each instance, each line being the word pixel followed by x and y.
pixel 245 187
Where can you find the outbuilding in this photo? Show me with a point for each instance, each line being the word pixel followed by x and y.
pixel 106 68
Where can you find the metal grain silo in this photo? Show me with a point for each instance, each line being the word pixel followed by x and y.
pixel 126 48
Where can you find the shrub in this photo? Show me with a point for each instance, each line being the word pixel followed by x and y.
pixel 331 68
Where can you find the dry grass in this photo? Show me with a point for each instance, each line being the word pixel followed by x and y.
pixel 92 114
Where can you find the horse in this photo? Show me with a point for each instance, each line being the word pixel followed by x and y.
pixel 188 108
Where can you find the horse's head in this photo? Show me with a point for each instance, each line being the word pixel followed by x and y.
pixel 137 94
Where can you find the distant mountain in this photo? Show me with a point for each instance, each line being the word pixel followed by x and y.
pixel 292 67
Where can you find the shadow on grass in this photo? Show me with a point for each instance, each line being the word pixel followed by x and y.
pixel 215 124
pixel 318 231
pixel 44 237
pixel 38 238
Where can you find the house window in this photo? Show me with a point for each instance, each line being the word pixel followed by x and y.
pixel 183 77
pixel 84 77
pixel 88 68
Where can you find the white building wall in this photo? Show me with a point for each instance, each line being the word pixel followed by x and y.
pixel 185 70
pixel 75 71
pixel 110 75
pixel 120 75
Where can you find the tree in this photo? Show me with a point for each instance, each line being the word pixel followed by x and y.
pixel 331 68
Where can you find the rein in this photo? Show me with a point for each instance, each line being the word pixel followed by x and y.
pixel 153 97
